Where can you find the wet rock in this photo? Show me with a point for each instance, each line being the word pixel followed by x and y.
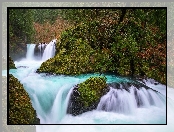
pixel 22 67
pixel 126 85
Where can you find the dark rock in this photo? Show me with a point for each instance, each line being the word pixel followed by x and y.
pixel 156 83
pixel 22 67
pixel 127 85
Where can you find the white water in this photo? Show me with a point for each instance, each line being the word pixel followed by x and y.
pixel 30 51
pixel 49 51
pixel 41 47
pixel 50 94
pixel 122 101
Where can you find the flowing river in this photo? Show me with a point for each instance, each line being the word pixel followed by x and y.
pixel 50 96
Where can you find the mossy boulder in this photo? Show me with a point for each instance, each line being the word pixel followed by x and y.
pixel 11 63
pixel 80 58
pixel 20 107
pixel 86 95
pixel 70 63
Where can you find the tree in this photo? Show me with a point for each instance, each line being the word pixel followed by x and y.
pixel 21 24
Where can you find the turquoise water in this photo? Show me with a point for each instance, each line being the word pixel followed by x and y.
pixel 50 95
pixel 110 78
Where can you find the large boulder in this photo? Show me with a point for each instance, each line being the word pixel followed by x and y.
pixel 86 96
pixel 20 106
pixel 79 58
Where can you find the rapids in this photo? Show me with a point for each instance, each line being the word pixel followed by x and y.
pixel 50 95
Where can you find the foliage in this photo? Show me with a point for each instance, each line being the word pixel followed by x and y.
pixel 120 40
pixel 125 36
pixel 11 64
pixel 66 62
pixel 48 31
pixel 21 31
pixel 6 128
pixel 21 24
pixel 91 90
pixel 20 107
pixel 42 16
pixel 32 25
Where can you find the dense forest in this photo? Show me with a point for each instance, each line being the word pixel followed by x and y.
pixel 124 41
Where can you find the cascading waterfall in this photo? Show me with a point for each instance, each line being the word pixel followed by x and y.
pixel 50 96
pixel 122 101
pixel 46 51
pixel 30 51
pixel 60 108
pixel 49 102
pixel 49 51
pixel 41 47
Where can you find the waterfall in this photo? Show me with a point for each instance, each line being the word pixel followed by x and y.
pixel 123 101
pixel 30 51
pixel 123 104
pixel 50 96
pixel 49 51
pixel 60 104
pixel 41 47
pixel 43 51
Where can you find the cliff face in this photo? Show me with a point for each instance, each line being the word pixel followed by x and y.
pixel 20 107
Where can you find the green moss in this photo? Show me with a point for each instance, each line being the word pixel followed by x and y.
pixel 20 107
pixel 91 90
pixel 75 52
pixel 11 63
pixel 71 62
pixel 79 59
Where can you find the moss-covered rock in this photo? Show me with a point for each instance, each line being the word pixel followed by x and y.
pixel 71 63
pixel 91 90
pixel 80 58
pixel 86 95
pixel 11 128
pixel 11 63
pixel 20 107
